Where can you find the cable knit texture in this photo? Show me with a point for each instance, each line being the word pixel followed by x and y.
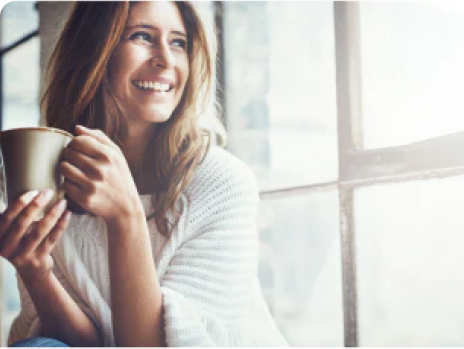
pixel 207 268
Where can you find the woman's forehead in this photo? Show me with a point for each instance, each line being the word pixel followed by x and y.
pixel 158 14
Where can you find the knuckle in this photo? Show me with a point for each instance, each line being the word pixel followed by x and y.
pixel 100 173
pixel 34 234
pixel 85 138
pixel 5 251
pixel 18 261
pixel 35 204
pixel 35 263
pixel 77 140
pixel 52 239
pixel 106 157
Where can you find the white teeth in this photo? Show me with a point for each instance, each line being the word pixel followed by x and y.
pixel 157 86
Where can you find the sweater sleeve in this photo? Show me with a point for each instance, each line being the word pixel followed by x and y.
pixel 27 323
pixel 208 286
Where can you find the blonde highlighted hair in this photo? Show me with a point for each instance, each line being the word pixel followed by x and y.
pixel 79 93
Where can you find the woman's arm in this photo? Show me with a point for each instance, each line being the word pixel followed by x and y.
pixel 136 300
pixel 60 317
pixel 97 177
pixel 27 245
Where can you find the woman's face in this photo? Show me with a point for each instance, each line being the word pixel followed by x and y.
pixel 150 67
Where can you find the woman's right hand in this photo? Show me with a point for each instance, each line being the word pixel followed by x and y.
pixel 27 244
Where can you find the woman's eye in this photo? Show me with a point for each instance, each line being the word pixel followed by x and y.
pixel 180 43
pixel 141 36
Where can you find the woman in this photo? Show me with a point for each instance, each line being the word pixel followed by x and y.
pixel 166 253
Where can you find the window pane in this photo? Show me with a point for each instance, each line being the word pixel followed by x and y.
pixel 21 78
pixel 412 71
pixel 409 247
pixel 18 19
pixel 300 267
pixel 21 72
pixel 280 90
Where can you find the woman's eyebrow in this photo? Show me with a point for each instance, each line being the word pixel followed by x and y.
pixel 149 26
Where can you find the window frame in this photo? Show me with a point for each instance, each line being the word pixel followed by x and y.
pixel 359 167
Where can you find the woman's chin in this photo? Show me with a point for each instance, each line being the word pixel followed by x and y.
pixel 154 116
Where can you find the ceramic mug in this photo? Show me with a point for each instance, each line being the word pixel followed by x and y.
pixel 30 162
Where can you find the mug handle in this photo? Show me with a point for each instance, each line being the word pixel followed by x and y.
pixel 72 206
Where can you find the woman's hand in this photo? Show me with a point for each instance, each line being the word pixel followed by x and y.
pixel 27 244
pixel 97 176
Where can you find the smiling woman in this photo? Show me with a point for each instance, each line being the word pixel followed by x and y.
pixel 166 252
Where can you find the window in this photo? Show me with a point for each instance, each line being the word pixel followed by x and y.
pixel 21 78
pixel 349 113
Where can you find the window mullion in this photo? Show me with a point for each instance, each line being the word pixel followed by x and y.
pixel 220 68
pixel 348 78
pixel 434 154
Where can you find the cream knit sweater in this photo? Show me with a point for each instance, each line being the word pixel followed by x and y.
pixel 207 268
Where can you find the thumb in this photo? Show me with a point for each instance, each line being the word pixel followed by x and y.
pixel 95 133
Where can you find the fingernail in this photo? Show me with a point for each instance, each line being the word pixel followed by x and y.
pixel 30 195
pixel 67 216
pixel 61 205
pixel 47 194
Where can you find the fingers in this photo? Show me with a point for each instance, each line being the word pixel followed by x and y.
pixel 74 175
pixel 52 238
pixel 96 134
pixel 88 146
pixel 43 228
pixel 9 215
pixel 21 223
pixel 79 160
pixel 82 197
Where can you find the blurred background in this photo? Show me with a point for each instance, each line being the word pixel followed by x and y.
pixel 351 116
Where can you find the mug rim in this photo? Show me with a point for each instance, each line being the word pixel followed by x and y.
pixel 37 128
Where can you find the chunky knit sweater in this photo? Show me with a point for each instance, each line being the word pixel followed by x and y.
pixel 207 268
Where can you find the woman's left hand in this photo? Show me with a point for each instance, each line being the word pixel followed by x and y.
pixel 97 176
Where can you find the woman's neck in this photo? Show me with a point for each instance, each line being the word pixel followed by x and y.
pixel 134 151
pixel 137 142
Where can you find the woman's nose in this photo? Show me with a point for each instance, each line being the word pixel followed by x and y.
pixel 163 56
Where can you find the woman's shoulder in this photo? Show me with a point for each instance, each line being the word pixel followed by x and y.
pixel 222 171
pixel 224 191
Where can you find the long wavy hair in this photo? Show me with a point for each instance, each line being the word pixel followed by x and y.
pixel 79 92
